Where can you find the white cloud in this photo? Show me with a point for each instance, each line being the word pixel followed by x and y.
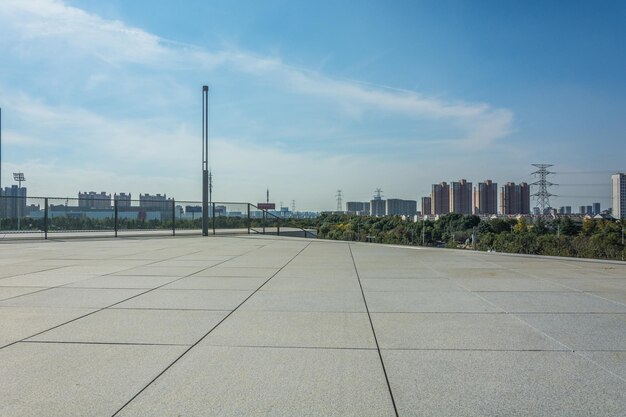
pixel 117 44
pixel 103 151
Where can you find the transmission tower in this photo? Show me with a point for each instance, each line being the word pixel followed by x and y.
pixel 378 194
pixel 338 200
pixel 542 196
pixel 293 206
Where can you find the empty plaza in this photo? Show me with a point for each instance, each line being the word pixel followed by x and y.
pixel 275 326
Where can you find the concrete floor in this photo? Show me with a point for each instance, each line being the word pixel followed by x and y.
pixel 258 326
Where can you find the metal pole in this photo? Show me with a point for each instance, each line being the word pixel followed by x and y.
pixel 115 216
pixel 173 217
pixel 205 160
pixel 45 219
pixel 0 148
pixel 18 201
pixel 213 210
pixel 249 218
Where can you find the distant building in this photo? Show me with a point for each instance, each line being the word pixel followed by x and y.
pixel 582 210
pixel 13 202
pixel 515 199
pixel 486 198
pixel 155 202
pixel 378 207
pixel 568 209
pixel 358 207
pixel 94 200
pixel 619 195
pixel 399 207
pixel 596 209
pixel 440 199
pixel 426 206
pixel 461 197
pixel 123 199
pixel 355 207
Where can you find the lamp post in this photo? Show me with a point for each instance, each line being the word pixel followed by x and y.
pixel 205 160
pixel 19 177
pixel 0 149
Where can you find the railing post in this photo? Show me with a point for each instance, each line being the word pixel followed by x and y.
pixel 264 212
pixel 115 214
pixel 45 218
pixel 277 227
pixel 249 221
pixel 173 217
pixel 213 210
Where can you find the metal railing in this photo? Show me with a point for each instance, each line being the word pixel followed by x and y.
pixel 42 216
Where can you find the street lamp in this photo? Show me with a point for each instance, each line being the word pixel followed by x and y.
pixel 19 177
pixel 205 160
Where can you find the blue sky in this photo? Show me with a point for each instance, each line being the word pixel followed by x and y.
pixel 311 97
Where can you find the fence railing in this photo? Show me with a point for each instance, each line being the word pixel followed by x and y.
pixel 41 216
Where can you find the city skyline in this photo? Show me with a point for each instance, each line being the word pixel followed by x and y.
pixel 306 101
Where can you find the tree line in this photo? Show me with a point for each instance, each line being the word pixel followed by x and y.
pixel 591 238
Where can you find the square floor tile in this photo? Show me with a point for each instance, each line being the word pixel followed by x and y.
pixel 294 329
pixel 251 382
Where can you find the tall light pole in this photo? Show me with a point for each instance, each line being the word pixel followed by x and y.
pixel 205 160
pixel 19 177
pixel 0 149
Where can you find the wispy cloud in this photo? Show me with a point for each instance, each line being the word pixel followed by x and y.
pixel 141 142
pixel 117 44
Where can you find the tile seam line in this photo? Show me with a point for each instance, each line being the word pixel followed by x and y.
pixel 88 278
pixel 209 332
pixel 114 304
pixel 516 316
pixel 369 316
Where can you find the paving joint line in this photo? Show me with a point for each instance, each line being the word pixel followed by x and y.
pixel 209 332
pixel 116 303
pixel 369 316
pixel 57 342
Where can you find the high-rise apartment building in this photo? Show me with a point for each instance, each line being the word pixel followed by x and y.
pixel 13 202
pixel 440 199
pixel 159 202
pixel 399 207
pixel 378 207
pixel 486 198
pixel 461 197
pixel 93 200
pixel 426 206
pixel 619 195
pixel 123 199
pixel 596 208
pixel 354 207
pixel 515 199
